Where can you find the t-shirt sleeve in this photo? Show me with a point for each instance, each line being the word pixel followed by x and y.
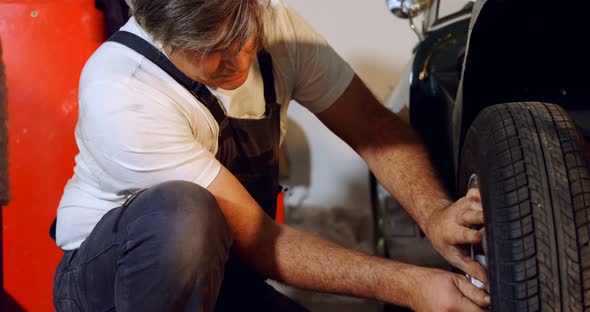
pixel 138 139
pixel 320 74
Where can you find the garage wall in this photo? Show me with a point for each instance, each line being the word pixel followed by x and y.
pixel 375 42
pixel 325 173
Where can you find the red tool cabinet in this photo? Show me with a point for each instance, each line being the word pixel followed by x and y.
pixel 45 45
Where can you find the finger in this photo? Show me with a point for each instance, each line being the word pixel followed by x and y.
pixel 474 294
pixel 468 265
pixel 468 305
pixel 470 217
pixel 475 204
pixel 467 203
pixel 471 201
pixel 473 193
pixel 458 235
pixel 462 303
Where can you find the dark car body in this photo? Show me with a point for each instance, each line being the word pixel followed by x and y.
pixel 492 52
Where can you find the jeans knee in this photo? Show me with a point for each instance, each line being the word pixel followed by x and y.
pixel 183 192
pixel 173 238
pixel 184 217
pixel 192 205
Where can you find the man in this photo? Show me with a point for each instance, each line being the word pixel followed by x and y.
pixel 171 204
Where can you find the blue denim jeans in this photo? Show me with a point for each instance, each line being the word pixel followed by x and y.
pixel 164 250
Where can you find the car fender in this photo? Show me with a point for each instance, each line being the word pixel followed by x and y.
pixel 526 50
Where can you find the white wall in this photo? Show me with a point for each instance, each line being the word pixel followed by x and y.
pixel 325 171
pixel 375 42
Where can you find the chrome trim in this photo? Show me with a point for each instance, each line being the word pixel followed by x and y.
pixel 415 29
pixel 407 8
pixel 430 15
pixel 396 7
pixel 466 16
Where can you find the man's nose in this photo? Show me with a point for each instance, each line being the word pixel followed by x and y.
pixel 237 63
pixel 231 65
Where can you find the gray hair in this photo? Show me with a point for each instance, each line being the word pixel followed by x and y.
pixel 200 25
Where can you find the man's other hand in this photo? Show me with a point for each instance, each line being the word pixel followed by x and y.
pixel 450 227
pixel 441 291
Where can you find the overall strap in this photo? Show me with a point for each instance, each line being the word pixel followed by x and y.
pixel 146 49
pixel 265 63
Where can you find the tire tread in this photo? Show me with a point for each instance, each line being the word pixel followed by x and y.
pixel 539 184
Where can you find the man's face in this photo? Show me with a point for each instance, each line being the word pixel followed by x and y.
pixel 223 68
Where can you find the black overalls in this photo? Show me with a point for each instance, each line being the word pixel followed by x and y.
pixel 249 149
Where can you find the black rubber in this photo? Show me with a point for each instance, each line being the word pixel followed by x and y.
pixel 535 185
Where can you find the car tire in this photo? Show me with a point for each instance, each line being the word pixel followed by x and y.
pixel 529 163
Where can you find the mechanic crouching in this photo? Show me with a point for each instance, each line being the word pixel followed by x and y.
pixel 171 206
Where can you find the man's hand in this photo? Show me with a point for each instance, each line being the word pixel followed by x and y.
pixel 438 291
pixel 449 227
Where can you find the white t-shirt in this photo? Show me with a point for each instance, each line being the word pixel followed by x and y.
pixel 137 127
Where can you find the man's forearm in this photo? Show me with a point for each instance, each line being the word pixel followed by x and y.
pixel 391 148
pixel 397 156
pixel 307 261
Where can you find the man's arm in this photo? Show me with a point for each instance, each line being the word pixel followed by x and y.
pixel 400 161
pixel 310 262
pixel 302 259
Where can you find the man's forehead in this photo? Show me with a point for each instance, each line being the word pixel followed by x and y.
pixel 231 48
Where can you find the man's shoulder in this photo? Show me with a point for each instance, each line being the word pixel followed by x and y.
pixel 116 73
pixel 110 63
pixel 106 78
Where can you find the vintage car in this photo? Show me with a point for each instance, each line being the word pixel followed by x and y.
pixel 500 93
